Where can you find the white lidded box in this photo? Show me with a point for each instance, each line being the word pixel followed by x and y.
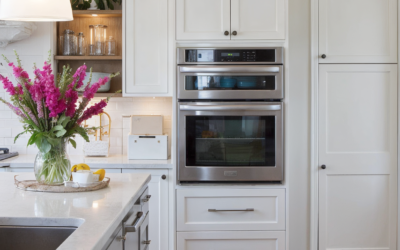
pixel 147 147
pixel 146 125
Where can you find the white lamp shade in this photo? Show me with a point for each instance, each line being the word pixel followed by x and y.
pixel 36 10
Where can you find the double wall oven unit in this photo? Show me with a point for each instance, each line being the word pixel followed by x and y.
pixel 230 114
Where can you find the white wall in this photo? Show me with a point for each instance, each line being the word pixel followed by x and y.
pixel 299 124
pixel 31 50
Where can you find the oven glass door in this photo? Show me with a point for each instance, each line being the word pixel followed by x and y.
pixel 230 140
pixel 234 136
pixel 230 82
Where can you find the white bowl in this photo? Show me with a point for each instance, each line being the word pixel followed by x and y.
pixel 95 78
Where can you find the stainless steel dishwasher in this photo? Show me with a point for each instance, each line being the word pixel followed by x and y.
pixel 133 232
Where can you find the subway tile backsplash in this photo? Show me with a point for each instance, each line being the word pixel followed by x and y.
pixel 119 110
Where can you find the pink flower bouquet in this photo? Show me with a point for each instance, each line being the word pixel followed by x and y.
pixel 49 108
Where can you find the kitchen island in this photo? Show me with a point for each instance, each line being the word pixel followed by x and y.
pixel 97 214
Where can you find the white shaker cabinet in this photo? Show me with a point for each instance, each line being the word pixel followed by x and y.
pixel 257 19
pixel 203 19
pixel 146 48
pixel 158 207
pixel 358 31
pixel 230 19
pixel 357 123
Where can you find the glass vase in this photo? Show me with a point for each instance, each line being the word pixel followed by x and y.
pixel 53 167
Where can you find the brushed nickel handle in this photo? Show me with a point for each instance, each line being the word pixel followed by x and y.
pixel 136 224
pixel 323 56
pixel 231 210
pixel 234 33
pixel 147 198
pixel 163 177
pixel 189 107
pixel 121 237
pixel 226 33
pixel 259 69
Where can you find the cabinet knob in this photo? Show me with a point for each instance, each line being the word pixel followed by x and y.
pixel 323 166
pixel 163 177
pixel 234 33
pixel 226 33
pixel 323 56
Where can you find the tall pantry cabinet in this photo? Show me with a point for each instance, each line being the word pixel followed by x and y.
pixel 357 124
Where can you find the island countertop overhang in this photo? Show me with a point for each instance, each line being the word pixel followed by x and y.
pixel 102 210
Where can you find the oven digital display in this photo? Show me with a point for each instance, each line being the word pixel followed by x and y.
pixel 230 54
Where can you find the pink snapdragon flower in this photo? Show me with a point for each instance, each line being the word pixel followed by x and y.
pixel 21 75
pixel 71 95
pixel 52 94
pixel 93 110
pixel 79 76
pixel 8 85
pixel 91 90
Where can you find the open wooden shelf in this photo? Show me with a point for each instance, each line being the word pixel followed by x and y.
pixel 99 13
pixel 88 58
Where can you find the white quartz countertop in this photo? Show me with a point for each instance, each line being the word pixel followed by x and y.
pixel 114 161
pixel 100 211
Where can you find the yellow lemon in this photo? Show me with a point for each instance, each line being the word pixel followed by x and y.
pixel 100 172
pixel 80 166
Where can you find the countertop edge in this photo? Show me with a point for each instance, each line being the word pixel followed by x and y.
pixel 100 244
pixel 115 162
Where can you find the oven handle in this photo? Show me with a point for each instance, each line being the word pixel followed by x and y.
pixel 267 107
pixel 229 69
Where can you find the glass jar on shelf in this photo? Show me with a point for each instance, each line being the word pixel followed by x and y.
pixel 99 39
pixel 69 43
pixel 81 45
pixel 111 46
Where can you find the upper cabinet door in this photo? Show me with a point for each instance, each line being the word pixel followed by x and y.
pixel 146 47
pixel 257 19
pixel 203 20
pixel 358 31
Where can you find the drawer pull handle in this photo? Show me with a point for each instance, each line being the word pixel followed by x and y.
pixel 147 198
pixel 136 224
pixel 231 210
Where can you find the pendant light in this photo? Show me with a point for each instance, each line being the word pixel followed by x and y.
pixel 36 10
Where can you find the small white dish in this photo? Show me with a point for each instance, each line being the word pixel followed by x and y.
pixel 82 176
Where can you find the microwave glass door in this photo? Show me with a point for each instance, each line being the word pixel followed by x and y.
pixel 230 141
pixel 230 82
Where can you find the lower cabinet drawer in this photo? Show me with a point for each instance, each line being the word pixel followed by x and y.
pixel 232 240
pixel 230 209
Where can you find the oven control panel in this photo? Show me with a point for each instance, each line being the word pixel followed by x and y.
pixel 267 55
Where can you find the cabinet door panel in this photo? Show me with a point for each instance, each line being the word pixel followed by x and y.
pixel 358 145
pixel 358 31
pixel 240 240
pixel 158 207
pixel 146 47
pixel 258 19
pixel 202 20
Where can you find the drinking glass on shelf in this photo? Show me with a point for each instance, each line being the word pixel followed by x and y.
pixel 81 45
pixel 111 46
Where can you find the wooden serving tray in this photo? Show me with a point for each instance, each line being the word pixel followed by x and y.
pixel 33 185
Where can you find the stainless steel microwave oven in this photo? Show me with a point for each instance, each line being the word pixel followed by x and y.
pixel 230 115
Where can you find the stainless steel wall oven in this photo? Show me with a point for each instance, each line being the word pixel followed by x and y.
pixel 230 122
